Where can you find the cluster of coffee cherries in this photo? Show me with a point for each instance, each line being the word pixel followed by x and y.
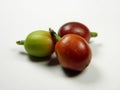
pixel 70 43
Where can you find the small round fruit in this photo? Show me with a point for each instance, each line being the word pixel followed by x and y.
pixel 76 28
pixel 73 52
pixel 38 43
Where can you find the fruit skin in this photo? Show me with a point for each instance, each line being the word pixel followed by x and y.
pixel 75 28
pixel 73 52
pixel 39 43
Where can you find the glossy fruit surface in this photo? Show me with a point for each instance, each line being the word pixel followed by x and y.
pixel 39 43
pixel 73 52
pixel 75 28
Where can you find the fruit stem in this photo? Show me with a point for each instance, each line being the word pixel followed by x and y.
pixel 20 42
pixel 54 35
pixel 93 34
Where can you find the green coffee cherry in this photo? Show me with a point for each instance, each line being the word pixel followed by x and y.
pixel 38 43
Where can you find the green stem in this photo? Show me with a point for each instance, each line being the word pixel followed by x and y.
pixel 54 35
pixel 21 42
pixel 93 34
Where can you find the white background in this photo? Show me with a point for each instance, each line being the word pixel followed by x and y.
pixel 19 17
